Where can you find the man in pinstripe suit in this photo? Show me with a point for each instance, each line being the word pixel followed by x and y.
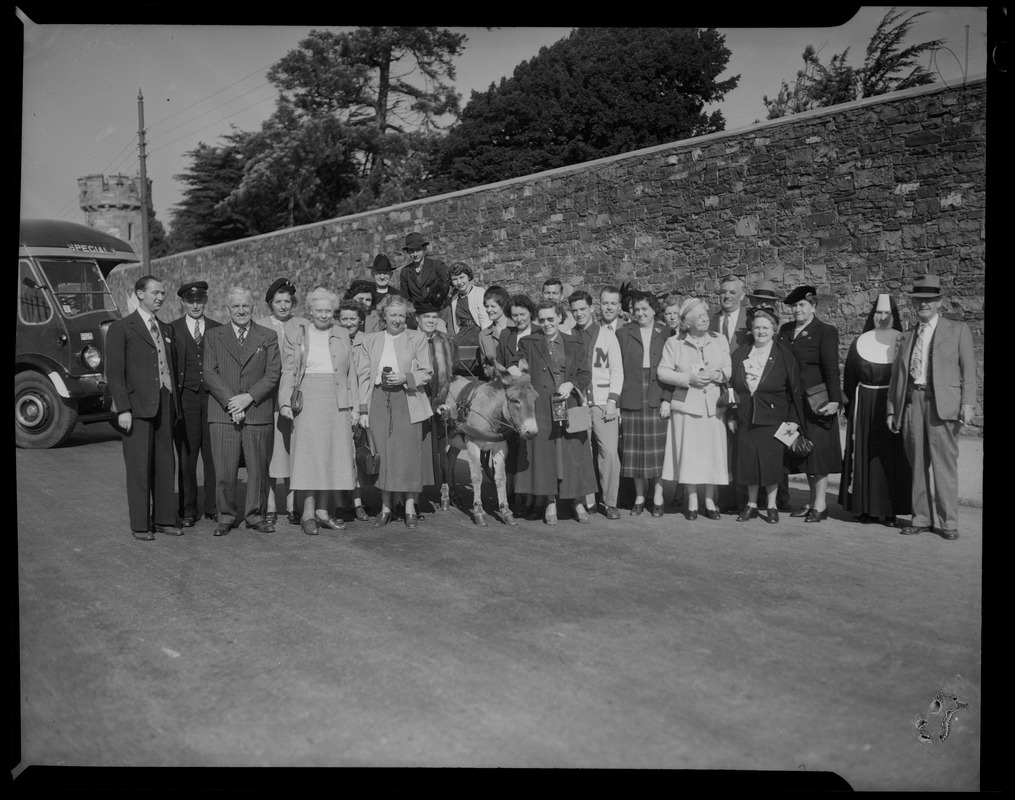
pixel 242 369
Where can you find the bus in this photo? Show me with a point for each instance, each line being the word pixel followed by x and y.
pixel 64 312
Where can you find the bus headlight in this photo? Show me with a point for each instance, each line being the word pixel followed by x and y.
pixel 90 356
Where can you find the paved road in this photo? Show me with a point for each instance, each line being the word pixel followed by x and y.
pixel 652 643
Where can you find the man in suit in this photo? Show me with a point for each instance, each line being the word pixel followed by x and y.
pixel 731 322
pixel 242 370
pixel 609 308
pixel 931 395
pixel 422 271
pixel 381 272
pixel 140 365
pixel 193 437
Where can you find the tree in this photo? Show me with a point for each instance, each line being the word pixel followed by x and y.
pixel 158 242
pixel 596 93
pixel 887 67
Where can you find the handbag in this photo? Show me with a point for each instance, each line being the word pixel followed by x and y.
pixel 579 418
pixel 817 397
pixel 296 398
pixel 296 401
pixel 801 446
pixel 368 463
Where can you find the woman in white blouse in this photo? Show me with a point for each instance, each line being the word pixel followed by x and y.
pixel 696 362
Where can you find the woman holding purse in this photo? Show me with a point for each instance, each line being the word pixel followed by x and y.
pixel 318 391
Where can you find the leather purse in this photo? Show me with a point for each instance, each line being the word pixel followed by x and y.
pixel 817 397
pixel 802 446
pixel 296 401
pixel 368 462
pixel 579 417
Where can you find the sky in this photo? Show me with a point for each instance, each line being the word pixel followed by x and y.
pixel 81 84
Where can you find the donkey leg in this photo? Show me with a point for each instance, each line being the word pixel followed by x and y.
pixel 498 455
pixel 476 473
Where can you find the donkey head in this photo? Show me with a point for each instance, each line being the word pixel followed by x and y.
pixel 520 400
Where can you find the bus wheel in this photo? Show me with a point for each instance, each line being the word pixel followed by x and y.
pixel 41 417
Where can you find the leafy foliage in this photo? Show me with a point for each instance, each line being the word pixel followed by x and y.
pixel 596 93
pixel 887 67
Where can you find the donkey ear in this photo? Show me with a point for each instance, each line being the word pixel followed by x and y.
pixel 501 369
pixel 523 365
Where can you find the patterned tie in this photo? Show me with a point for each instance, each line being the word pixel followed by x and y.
pixel 916 362
pixel 726 326
pixel 164 376
pixel 197 332
pixel 241 336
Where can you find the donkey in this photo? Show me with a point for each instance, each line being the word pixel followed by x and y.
pixel 483 414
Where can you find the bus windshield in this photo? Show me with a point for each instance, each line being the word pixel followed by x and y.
pixel 78 286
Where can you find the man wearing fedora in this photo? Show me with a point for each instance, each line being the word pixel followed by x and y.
pixel 422 271
pixel 381 272
pixel 193 437
pixel 931 395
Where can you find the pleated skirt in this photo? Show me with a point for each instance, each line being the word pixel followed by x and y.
pixel 644 433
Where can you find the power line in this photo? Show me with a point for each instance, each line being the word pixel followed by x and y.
pixel 211 110
pixel 208 97
pixel 210 124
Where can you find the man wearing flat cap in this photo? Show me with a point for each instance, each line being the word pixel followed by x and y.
pixel 381 272
pixel 931 395
pixel 192 435
pixel 422 271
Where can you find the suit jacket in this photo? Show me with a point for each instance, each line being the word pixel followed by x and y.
pixel 741 333
pixel 951 370
pixel 185 344
pixel 778 396
pixel 412 353
pixel 132 365
pixel 230 370
pixel 681 358
pixel 414 287
pixel 294 359
pixel 632 351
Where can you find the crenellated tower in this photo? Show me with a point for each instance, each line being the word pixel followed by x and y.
pixel 112 204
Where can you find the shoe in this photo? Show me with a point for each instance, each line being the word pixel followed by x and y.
pixel 169 530
pixel 212 515
pixel 411 521
pixel 816 516
pixel 691 514
pixel 382 519
pixel 863 519
pixel 658 511
pixel 538 512
pixel 143 536
pixel 293 517
pixel 949 535
pixel 260 527
pixel 331 523
pixel 550 519
pixel 311 526
pixel 749 512
pixel 888 522
pixel 580 513
pixel 731 510
pixel 637 508
pixel 772 516
pixel 785 508
pixel 361 513
pixel 912 530
pixel 222 529
pixel 677 502
pixel 712 513
pixel 800 512
pixel 610 512
pixel 188 521
pixel 271 517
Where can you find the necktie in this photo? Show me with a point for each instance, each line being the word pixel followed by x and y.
pixel 726 326
pixel 241 336
pixel 154 328
pixel 164 376
pixel 197 332
pixel 916 362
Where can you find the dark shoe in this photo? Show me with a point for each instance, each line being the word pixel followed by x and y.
pixel 749 512
pixel 331 523
pixel 580 513
pixel 382 519
pixel 658 511
pixel 611 512
pixel 800 512
pixel 950 535
pixel 784 508
pixel 411 521
pixel 311 526
pixel 677 502
pixel 211 515
pixel 260 527
pixel 863 519
pixel 771 516
pixel 222 529
pixel 691 514
pixel 538 512
pixel 271 517
pixel 816 516
pixel 888 522
pixel 188 521
pixel 143 536
pixel 293 517
pixel 361 513
pixel 912 530
pixel 169 530
pixel 637 508
pixel 712 513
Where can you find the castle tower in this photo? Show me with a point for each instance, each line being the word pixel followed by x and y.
pixel 112 205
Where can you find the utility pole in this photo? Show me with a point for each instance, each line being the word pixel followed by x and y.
pixel 143 188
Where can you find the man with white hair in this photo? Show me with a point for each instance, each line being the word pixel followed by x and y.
pixel 242 370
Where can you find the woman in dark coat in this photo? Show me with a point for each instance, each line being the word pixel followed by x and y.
pixel 877 480
pixel 523 313
pixel 644 401
pixel 765 377
pixel 555 463
pixel 816 347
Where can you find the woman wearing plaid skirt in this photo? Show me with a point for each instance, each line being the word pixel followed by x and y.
pixel 644 401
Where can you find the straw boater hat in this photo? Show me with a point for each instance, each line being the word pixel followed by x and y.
pixel 764 292
pixel 926 286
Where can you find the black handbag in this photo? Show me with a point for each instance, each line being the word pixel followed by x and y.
pixel 368 463
pixel 801 446
pixel 817 398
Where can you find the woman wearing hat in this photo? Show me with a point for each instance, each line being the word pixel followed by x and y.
pixel 816 347
pixel 394 368
pixel 765 377
pixel 697 363
pixel 281 299
pixel 877 480
pixel 422 271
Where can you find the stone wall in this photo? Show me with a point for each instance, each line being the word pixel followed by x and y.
pixel 855 200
